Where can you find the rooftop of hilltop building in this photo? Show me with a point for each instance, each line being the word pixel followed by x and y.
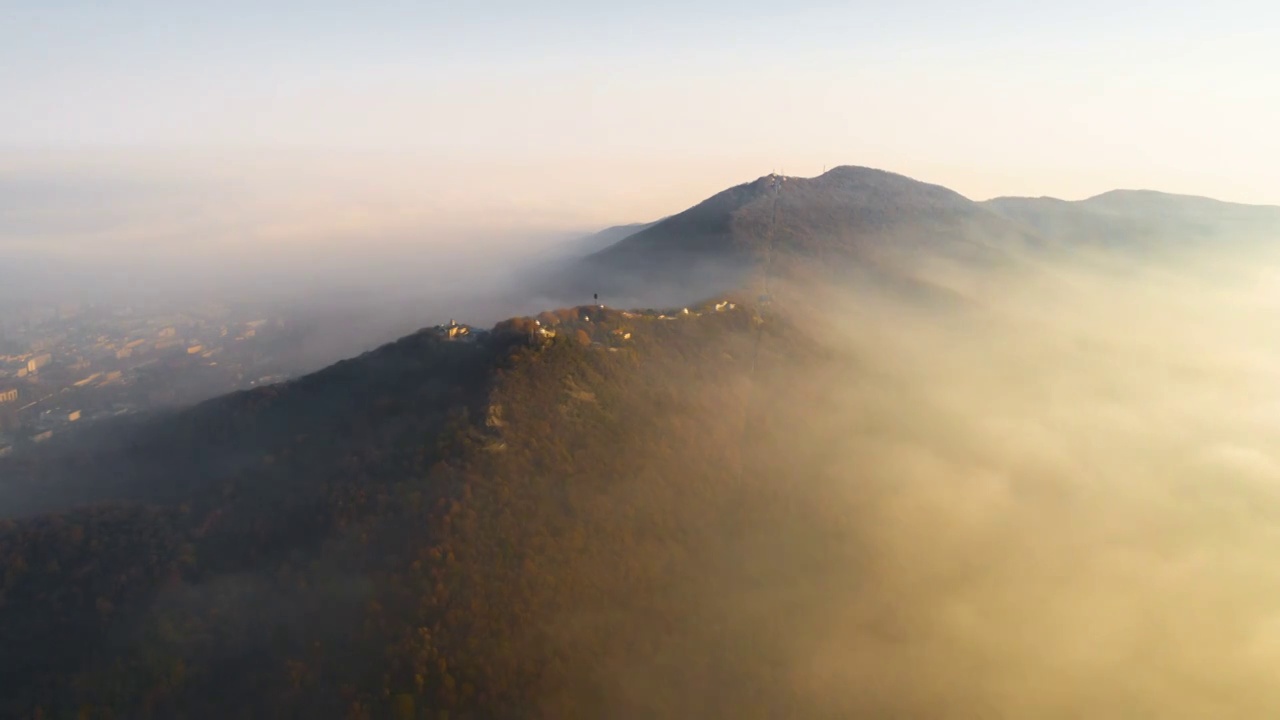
pixel 455 331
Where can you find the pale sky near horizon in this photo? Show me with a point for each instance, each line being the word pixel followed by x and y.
pixel 572 111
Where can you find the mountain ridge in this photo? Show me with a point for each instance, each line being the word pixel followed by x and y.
pixel 857 219
pixel 1130 192
pixel 400 529
pixel 509 522
pixel 848 215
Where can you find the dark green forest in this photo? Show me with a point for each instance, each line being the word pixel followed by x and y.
pixel 502 525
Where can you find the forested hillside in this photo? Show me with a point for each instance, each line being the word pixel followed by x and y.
pixel 594 513
pixel 497 525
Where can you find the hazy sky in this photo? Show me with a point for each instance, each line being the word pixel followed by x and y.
pixel 572 111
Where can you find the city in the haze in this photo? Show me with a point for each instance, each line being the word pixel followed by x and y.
pixel 64 366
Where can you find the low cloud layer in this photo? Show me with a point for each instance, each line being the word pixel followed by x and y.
pixel 1060 500
pixel 258 227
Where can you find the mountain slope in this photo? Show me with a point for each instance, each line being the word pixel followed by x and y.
pixel 593 513
pixel 846 217
pixel 884 226
pixel 492 528
pixel 598 241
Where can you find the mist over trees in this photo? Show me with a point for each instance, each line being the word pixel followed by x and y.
pixel 1007 458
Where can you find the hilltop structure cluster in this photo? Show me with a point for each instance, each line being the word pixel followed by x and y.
pixel 595 326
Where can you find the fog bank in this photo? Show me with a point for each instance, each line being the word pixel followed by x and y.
pixel 1062 500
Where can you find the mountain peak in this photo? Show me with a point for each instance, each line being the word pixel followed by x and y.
pixel 845 215
pixel 858 170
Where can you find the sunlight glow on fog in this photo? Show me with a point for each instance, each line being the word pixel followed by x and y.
pixel 1071 501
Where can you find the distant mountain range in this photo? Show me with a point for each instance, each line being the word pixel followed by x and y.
pixel 524 521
